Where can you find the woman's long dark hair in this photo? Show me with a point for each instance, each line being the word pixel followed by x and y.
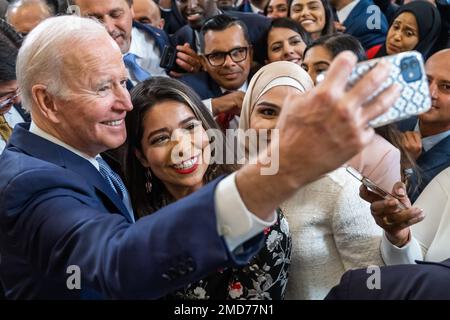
pixel 339 42
pixel 289 23
pixel 144 96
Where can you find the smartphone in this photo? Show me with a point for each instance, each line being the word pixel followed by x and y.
pixel 373 187
pixel 407 70
pixel 169 60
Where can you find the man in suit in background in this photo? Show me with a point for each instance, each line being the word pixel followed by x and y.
pixel 67 228
pixel 253 6
pixel 172 16
pixel 141 45
pixel 226 5
pixel 148 12
pixel 198 11
pixel 360 18
pixel 227 58
pixel 24 15
pixel 422 281
pixel 428 138
pixel 11 113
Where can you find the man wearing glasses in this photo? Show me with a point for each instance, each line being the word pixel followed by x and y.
pixel 10 112
pixel 227 58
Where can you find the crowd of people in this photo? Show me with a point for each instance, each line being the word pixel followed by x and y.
pixel 198 149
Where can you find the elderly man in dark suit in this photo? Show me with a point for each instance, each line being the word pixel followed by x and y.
pixel 67 228
pixel 428 137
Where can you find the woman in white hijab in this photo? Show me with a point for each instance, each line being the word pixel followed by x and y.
pixel 331 227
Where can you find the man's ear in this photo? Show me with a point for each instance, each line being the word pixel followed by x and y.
pixel 45 102
pixel 142 159
pixel 161 23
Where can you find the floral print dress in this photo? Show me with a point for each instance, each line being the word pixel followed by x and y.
pixel 265 277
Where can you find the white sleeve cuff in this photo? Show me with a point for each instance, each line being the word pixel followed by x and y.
pixel 407 254
pixel 234 222
pixel 208 104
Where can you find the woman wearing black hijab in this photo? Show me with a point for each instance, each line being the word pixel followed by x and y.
pixel 416 26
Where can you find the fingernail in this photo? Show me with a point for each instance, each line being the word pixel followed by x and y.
pixel 401 192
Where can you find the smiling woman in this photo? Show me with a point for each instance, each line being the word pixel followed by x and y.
pixel 286 41
pixel 168 158
pixel 315 16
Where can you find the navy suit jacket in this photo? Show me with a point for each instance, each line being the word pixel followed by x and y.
pixel 356 25
pixel 257 26
pixel 57 211
pixel 202 84
pixel 173 19
pixel 425 280
pixel 160 36
pixel 431 162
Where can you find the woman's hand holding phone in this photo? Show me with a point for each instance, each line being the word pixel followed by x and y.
pixel 394 219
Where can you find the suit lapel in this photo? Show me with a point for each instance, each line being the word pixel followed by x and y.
pixel 436 156
pixel 445 263
pixel 353 15
pixel 214 87
pixel 45 150
pixel 158 35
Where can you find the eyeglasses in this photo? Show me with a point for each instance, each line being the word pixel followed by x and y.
pixel 8 98
pixel 217 59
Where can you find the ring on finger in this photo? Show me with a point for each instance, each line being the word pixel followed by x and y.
pixel 386 221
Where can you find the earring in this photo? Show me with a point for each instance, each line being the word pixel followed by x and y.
pixel 148 183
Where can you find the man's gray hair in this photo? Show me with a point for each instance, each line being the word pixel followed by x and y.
pixel 40 59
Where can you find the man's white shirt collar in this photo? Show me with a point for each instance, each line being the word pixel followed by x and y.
pixel 137 38
pixel 345 11
pixel 243 88
pixel 41 133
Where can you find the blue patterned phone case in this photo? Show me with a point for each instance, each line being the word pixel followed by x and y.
pixel 409 72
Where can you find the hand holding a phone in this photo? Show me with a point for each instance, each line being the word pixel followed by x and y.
pixel 390 216
pixel 187 59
